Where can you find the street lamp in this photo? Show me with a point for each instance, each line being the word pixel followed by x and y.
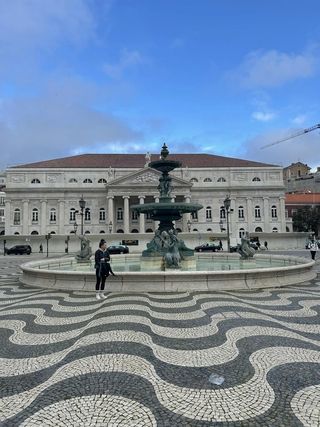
pixel 48 236
pixel 227 203
pixel 189 223
pixel 82 204
pixel 110 227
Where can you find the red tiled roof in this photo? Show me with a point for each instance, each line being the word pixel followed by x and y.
pixel 302 199
pixel 138 161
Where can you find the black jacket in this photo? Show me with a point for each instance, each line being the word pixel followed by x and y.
pixel 101 263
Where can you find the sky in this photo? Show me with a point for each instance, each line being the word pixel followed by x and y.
pixel 124 76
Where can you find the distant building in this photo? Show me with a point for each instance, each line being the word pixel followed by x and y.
pixel 43 197
pixel 298 179
pixel 2 201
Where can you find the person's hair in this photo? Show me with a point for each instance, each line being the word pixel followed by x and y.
pixel 102 242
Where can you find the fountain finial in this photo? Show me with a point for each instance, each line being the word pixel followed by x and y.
pixel 164 152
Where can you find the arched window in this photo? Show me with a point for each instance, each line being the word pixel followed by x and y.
pixel 195 229
pixel 53 215
pixel 35 181
pixel 241 232
pixel 35 215
pixel 87 181
pixel 52 232
pixel 34 232
pixel 134 230
pixel 209 229
pixel 102 181
pixel 102 214
pixel 207 180
pixel 258 230
pixel 256 179
pixel 221 179
pixel 193 180
pixel 222 212
pixel 119 214
pixel 87 232
pixel 87 214
pixel 72 232
pixel 102 232
pixel 257 212
pixel 274 211
pixel 16 233
pixel 72 181
pixel 208 212
pixel 149 230
pixel 287 229
pixel 194 215
pixel 134 215
pixel 240 212
pixel 16 217
pixel 274 230
pixel 72 214
pixel 120 231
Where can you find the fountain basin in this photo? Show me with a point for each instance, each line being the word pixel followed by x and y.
pixel 67 274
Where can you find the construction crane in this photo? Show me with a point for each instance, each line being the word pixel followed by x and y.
pixel 302 132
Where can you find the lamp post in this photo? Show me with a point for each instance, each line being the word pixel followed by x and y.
pixel 4 247
pixel 189 223
pixel 48 236
pixel 110 227
pixel 227 203
pixel 82 204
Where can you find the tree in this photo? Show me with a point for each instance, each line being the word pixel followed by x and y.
pixel 307 219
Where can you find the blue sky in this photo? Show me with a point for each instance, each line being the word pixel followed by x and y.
pixel 119 76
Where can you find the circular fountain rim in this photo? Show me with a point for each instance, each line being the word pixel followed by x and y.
pixel 171 280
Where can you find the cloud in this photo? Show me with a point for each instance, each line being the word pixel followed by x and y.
pixel 262 116
pixel 301 148
pixel 128 59
pixel 272 68
pixel 300 119
pixel 59 122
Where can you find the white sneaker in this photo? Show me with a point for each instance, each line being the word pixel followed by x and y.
pixel 103 296
pixel 98 296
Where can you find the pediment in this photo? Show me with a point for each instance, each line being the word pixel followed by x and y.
pixel 145 177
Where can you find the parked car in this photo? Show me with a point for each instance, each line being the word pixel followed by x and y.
pixel 19 250
pixel 207 247
pixel 118 249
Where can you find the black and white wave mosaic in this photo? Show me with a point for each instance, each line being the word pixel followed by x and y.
pixel 67 359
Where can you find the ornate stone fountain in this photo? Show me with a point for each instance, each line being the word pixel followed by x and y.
pixel 165 246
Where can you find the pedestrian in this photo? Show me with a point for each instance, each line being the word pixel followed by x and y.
pixel 266 244
pixel 103 268
pixel 40 248
pixel 220 246
pixel 313 249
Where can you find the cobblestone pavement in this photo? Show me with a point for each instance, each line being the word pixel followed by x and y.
pixel 154 359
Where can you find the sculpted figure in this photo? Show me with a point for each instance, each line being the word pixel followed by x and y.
pixel 85 251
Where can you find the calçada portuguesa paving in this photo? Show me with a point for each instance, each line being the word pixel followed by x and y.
pixel 148 359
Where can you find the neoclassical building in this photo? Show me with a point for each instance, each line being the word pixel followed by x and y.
pixel 43 197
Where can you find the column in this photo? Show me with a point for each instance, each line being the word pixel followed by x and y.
pixel 186 217
pixel 126 213
pixel 61 217
pixel 25 216
pixel 249 214
pixel 111 211
pixel 7 216
pixel 142 216
pixel 156 223
pixel 266 211
pixel 282 215
pixel 43 221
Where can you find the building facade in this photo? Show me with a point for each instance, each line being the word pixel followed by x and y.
pixel 44 197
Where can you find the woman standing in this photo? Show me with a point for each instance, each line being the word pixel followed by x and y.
pixel 103 268
pixel 313 248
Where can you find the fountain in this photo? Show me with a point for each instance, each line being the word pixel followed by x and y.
pixel 167 265
pixel 166 249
